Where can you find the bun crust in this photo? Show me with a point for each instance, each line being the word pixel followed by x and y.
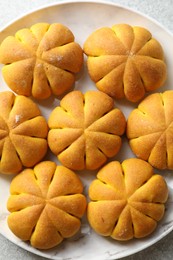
pixel 149 129
pixel 23 133
pixel 41 60
pixel 45 205
pixel 125 202
pixel 125 61
pixel 85 130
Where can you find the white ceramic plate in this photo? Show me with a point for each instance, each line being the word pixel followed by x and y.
pixel 83 18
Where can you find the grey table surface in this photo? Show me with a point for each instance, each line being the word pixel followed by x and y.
pixel 160 10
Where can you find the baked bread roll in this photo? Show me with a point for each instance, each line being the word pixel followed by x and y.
pixel 41 60
pixel 125 61
pixel 23 133
pixel 149 130
pixel 85 130
pixel 46 205
pixel 127 200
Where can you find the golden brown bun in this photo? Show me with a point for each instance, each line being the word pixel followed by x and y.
pixel 46 205
pixel 41 60
pixel 127 200
pixel 85 130
pixel 23 133
pixel 125 61
pixel 149 130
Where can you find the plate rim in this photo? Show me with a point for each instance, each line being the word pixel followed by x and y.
pixel 102 2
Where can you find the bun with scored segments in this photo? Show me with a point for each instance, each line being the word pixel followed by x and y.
pixel 46 205
pixel 127 200
pixel 23 133
pixel 125 61
pixel 85 130
pixel 149 130
pixel 41 60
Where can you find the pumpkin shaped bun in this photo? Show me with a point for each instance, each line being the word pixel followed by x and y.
pixel 23 133
pixel 46 205
pixel 41 60
pixel 85 130
pixel 125 61
pixel 150 130
pixel 127 200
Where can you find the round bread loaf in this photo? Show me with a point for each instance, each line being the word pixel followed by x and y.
pixel 23 133
pixel 125 61
pixel 127 200
pixel 46 205
pixel 41 60
pixel 85 130
pixel 150 131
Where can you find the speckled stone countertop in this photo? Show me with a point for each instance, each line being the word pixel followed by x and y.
pixel 160 10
